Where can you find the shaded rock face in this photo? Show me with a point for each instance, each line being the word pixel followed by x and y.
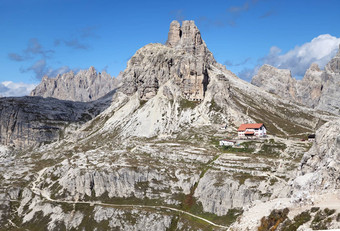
pixel 310 87
pixel 318 89
pixel 330 93
pixel 27 121
pixel 185 60
pixel 85 86
pixel 320 166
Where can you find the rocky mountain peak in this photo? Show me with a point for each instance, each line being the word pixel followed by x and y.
pixel 186 37
pixel 314 67
pixel 86 85
pixel 174 35
pixel 334 65
pixel 276 81
pixel 185 60
pixel 318 88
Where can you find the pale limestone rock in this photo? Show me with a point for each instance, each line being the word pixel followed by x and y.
pixel 85 86
pixel 219 199
pixel 133 219
pixel 318 89
pixel 174 35
pixel 334 65
pixel 320 166
pixel 310 87
pixel 276 81
pixel 185 60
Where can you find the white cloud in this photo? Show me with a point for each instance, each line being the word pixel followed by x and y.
pixel 320 50
pixel 9 88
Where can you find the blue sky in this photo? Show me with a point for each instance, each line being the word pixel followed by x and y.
pixel 47 37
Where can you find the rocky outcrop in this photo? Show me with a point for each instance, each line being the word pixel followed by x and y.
pixel 85 86
pixel 276 81
pixel 27 121
pixel 185 60
pixel 318 89
pixel 132 220
pixel 330 93
pixel 334 65
pixel 310 87
pixel 320 167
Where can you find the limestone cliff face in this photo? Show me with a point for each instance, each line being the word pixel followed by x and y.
pixel 27 121
pixel 185 60
pixel 276 81
pixel 310 87
pixel 85 86
pixel 318 89
pixel 330 94
pixel 320 167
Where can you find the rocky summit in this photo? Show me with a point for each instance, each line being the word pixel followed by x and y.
pixel 318 89
pixel 84 86
pixel 185 59
pixel 146 156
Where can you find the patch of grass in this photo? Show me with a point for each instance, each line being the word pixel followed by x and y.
pixel 329 212
pixel 243 176
pixel 272 149
pixel 322 219
pixel 272 181
pixel 173 224
pixel 315 209
pixel 245 147
pixel 142 103
pixel 214 106
pixel 38 223
pixel 297 221
pixel 227 219
pixel 187 104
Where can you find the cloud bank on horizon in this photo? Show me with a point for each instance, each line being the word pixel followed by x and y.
pixel 8 88
pixel 319 50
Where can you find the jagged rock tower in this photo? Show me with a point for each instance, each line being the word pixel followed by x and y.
pixel 184 59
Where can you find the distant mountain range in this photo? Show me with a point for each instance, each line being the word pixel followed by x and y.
pixel 318 89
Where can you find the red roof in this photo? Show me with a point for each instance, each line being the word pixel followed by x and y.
pixel 249 133
pixel 243 127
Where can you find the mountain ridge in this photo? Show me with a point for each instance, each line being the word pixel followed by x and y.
pixel 84 86
pixel 318 88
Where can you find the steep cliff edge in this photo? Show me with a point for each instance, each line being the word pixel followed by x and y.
pixel 29 121
pixel 320 166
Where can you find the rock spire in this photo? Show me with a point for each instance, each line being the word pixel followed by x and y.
pixel 185 59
